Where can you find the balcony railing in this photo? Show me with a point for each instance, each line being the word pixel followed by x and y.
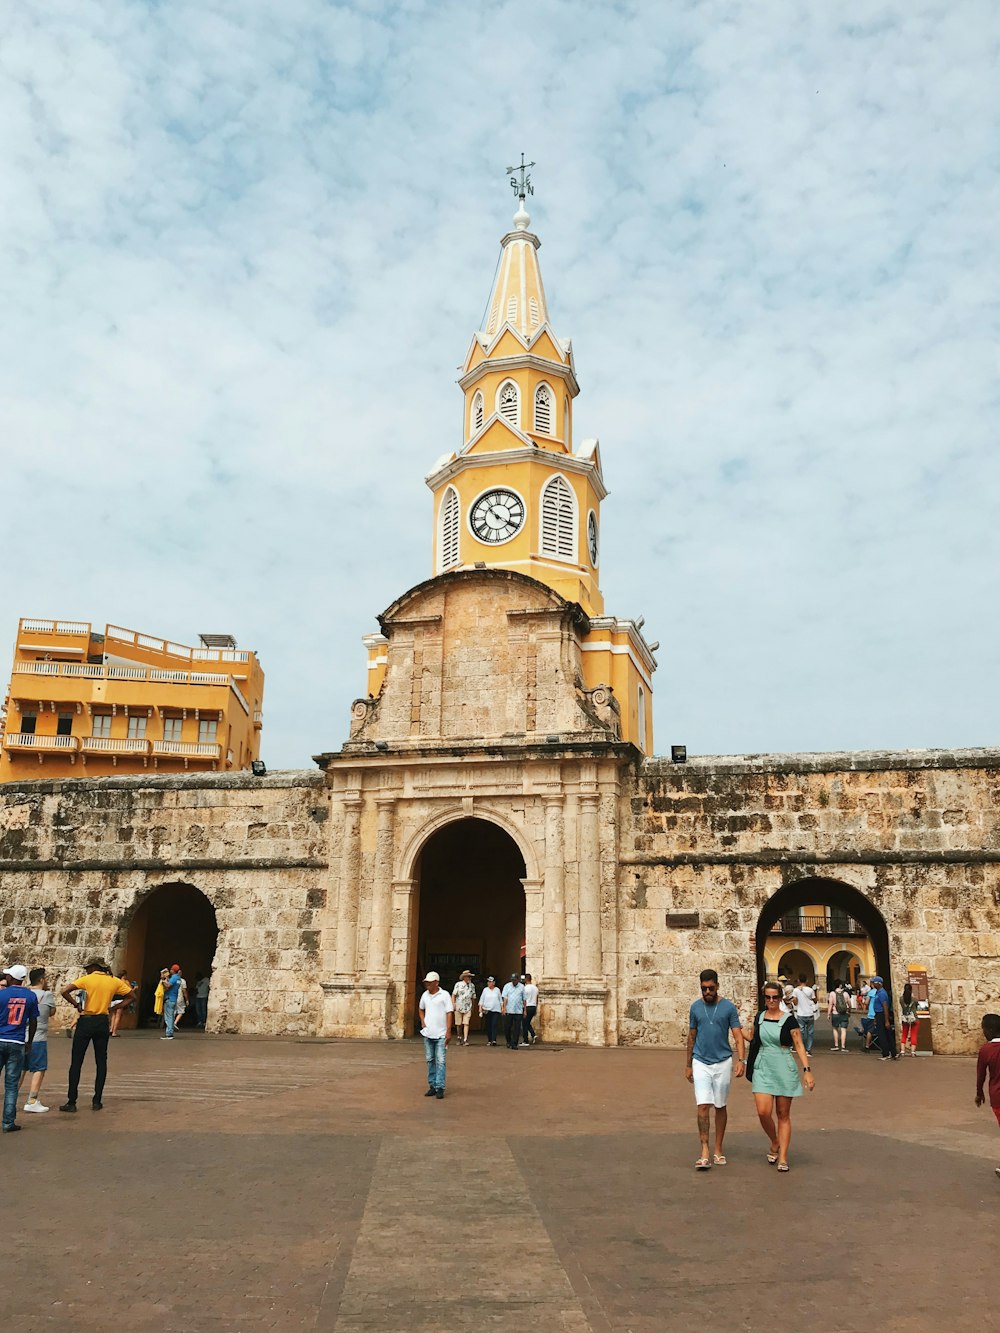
pixel 114 745
pixel 77 627
pixel 29 740
pixel 91 671
pixel 188 749
pixel 180 650
pixel 816 923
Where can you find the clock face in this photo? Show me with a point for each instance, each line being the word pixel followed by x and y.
pixel 497 516
pixel 592 538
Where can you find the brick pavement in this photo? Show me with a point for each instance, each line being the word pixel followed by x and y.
pixel 240 1184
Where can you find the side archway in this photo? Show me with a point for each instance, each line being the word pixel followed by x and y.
pixel 823 912
pixel 174 923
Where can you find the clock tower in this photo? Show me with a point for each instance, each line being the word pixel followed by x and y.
pixel 518 494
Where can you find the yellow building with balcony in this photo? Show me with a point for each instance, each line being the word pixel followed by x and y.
pixel 81 703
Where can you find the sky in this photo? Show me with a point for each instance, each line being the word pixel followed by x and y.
pixel 244 247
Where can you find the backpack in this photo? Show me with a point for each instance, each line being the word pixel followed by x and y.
pixel 840 1002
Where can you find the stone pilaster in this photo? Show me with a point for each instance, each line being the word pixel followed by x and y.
pixel 555 906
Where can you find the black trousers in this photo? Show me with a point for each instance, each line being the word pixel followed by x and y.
pixel 529 1017
pixel 492 1022
pixel 512 1030
pixel 94 1028
pixel 885 1036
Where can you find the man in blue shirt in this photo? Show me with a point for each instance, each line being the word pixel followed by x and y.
pixel 171 990
pixel 710 1062
pixel 18 1020
pixel 512 1008
pixel 882 1011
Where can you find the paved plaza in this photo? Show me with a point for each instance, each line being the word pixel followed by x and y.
pixel 238 1184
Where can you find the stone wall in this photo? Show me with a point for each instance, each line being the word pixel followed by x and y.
pixel 78 857
pixel 917 834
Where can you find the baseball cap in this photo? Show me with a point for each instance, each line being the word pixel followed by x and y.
pixel 432 976
pixel 491 978
pixel 16 971
pixel 175 967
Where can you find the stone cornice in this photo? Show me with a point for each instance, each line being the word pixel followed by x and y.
pixel 782 856
pixel 534 454
pixel 837 761
pixel 521 361
pixel 164 867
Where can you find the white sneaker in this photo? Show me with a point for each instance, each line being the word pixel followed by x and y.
pixel 34 1106
pixel 166 1039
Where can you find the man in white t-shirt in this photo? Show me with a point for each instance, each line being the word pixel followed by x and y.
pixel 436 1010
pixel 530 1009
pixel 804 1000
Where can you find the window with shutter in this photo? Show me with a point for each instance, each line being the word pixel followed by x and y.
pixel 477 414
pixel 493 319
pixel 512 310
pixel 533 310
pixel 507 402
pixel 558 519
pixel 543 410
pixel 449 528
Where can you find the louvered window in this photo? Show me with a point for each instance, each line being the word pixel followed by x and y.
pixel 507 402
pixel 512 310
pixel 477 414
pixel 543 410
pixel 558 519
pixel 493 319
pixel 533 310
pixel 449 528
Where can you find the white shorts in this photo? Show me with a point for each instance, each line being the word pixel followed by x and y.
pixel 711 1082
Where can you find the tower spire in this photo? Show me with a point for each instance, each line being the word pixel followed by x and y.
pixel 520 183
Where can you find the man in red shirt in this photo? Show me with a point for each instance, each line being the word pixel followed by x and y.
pixel 989 1060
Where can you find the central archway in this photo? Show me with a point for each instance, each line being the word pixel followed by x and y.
pixel 176 923
pixel 471 907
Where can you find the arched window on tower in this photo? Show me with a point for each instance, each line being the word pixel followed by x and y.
pixel 558 535
pixel 507 402
pixel 566 434
pixel 476 419
pixel 450 523
pixel 543 410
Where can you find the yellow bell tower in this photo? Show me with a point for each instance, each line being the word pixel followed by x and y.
pixel 517 495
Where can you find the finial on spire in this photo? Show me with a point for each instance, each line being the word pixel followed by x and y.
pixel 520 183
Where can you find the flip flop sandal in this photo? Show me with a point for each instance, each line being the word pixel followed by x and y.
pixel 772 1157
pixel 782 1166
pixel 719 1159
pixel 703 1164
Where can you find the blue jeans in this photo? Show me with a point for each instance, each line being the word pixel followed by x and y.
pixel 12 1062
pixel 808 1026
pixel 169 1015
pixel 201 1010
pixel 434 1053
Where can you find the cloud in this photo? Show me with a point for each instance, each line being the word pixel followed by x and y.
pixel 244 250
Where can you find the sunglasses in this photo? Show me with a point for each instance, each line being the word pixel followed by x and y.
pixel 769 996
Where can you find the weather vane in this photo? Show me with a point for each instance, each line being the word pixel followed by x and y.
pixel 521 186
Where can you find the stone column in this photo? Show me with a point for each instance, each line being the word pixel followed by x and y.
pixel 591 962
pixel 350 888
pixel 555 905
pixel 380 934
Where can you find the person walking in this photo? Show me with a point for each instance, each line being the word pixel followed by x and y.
pixel 988 1062
pixel 38 1061
pixel 885 1033
pixel 171 991
pixel 437 1011
pixel 710 1062
pixel 463 997
pixel 772 1073
pixel 909 1021
pixel 839 1011
pixel 117 1006
pixel 530 1010
pixel 512 1008
pixel 806 1008
pixel 202 985
pixel 99 988
pixel 18 1022
pixel 490 1008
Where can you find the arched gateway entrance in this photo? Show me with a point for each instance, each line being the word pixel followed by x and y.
pixel 470 907
pixel 827 923
pixel 174 924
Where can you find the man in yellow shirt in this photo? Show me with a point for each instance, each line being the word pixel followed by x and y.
pixel 99 988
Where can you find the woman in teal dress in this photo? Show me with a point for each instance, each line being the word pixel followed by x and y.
pixel 772 1072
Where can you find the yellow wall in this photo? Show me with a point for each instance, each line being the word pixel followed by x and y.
pixel 819 947
pixel 64 668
